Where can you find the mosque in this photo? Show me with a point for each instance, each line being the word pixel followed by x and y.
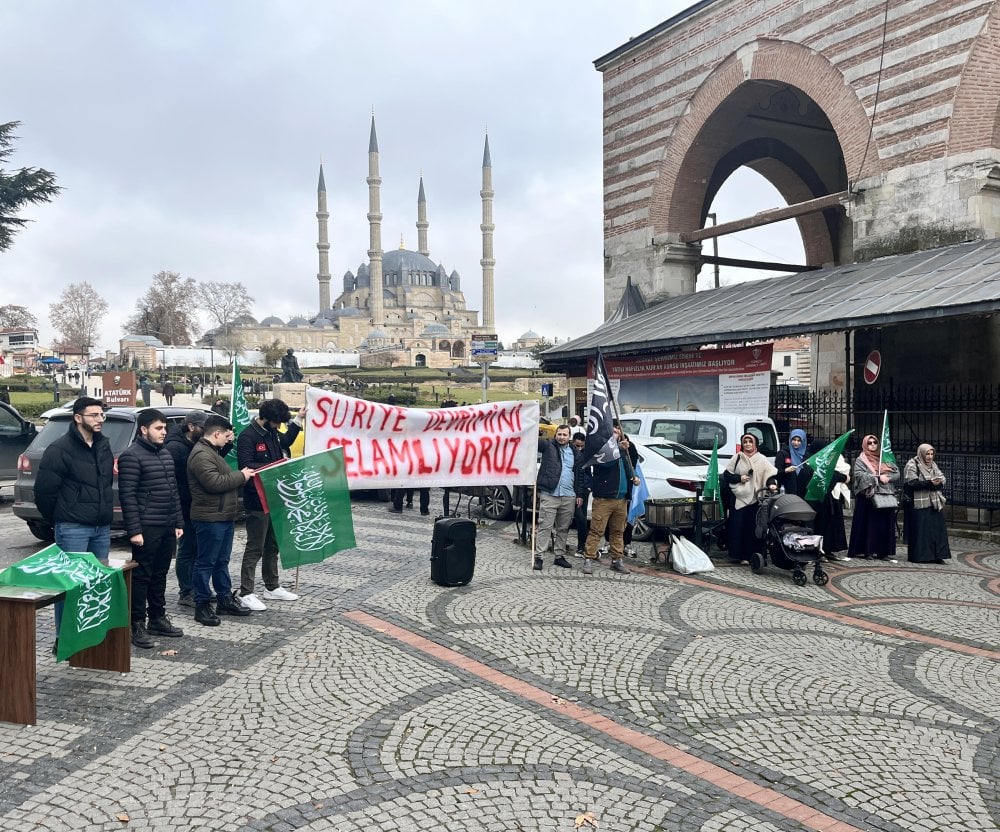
pixel 399 307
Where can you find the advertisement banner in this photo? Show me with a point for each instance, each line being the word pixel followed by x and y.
pixel 387 446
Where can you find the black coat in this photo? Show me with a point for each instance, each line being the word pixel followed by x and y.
pixel 74 482
pixel 606 478
pixel 147 488
pixel 179 448
pixel 550 468
pixel 257 446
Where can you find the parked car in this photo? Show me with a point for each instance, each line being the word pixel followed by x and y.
pixel 699 430
pixel 671 470
pixel 16 434
pixel 120 428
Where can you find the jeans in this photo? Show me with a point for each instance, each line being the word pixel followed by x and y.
pixel 75 537
pixel 187 551
pixel 554 516
pixel 612 514
pixel 149 580
pixel 260 543
pixel 215 545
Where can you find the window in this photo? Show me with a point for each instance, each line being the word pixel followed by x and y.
pixel 786 360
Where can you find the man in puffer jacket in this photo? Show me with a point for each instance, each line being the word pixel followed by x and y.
pixel 151 509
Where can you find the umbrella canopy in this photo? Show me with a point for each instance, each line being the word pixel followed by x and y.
pixel 51 359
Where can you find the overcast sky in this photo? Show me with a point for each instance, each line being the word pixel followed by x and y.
pixel 187 137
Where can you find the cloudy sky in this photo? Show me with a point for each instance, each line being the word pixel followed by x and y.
pixel 187 137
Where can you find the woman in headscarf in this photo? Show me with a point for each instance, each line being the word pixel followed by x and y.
pixel 747 473
pixel 873 530
pixel 793 473
pixel 927 536
pixel 829 520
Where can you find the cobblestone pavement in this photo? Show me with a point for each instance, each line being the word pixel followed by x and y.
pixel 730 702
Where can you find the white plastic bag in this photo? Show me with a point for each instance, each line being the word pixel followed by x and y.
pixel 687 558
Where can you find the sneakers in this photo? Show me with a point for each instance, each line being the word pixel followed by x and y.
pixel 140 638
pixel 619 567
pixel 588 566
pixel 579 553
pixel 537 565
pixel 252 602
pixel 231 606
pixel 186 600
pixel 630 552
pixel 279 594
pixel 162 626
pixel 561 561
pixel 204 614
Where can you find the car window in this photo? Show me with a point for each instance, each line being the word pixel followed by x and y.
pixel 118 432
pixel 707 434
pixel 700 436
pixel 9 424
pixel 766 439
pixel 631 426
pixel 668 429
pixel 677 455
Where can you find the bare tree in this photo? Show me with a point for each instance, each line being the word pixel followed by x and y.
pixel 13 316
pixel 167 310
pixel 231 342
pixel 77 315
pixel 224 303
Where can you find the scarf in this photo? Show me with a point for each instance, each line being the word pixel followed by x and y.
pixel 759 471
pixel 870 456
pixel 920 467
pixel 798 455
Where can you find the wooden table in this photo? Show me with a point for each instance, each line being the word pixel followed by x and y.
pixel 18 694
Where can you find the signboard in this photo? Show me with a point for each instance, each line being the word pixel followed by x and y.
pixel 119 389
pixel 387 446
pixel 485 348
pixel 873 364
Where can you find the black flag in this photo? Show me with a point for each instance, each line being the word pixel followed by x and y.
pixel 600 446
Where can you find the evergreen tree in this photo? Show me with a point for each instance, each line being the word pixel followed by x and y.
pixel 19 188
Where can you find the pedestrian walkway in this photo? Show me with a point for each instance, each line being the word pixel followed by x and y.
pixel 728 702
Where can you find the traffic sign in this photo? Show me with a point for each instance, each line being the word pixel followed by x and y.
pixel 485 347
pixel 873 363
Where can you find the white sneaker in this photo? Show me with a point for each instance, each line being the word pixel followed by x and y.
pixel 252 602
pixel 279 594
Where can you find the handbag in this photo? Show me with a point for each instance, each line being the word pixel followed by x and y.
pixel 881 501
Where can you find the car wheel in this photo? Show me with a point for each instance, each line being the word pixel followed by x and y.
pixel 497 504
pixel 43 531
pixel 640 531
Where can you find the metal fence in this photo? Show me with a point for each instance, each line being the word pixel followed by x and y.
pixel 962 422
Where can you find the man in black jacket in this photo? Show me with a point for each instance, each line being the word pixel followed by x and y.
pixel 151 509
pixel 557 500
pixel 258 445
pixel 179 445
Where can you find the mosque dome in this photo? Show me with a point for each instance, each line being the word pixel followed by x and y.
pixel 272 321
pixel 434 331
pixel 400 259
pixel 298 321
pixel 530 335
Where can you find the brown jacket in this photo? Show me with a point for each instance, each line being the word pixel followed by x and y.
pixel 214 486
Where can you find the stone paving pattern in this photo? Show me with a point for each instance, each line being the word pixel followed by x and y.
pixel 301 718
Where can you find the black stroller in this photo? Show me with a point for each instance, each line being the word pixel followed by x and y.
pixel 787 543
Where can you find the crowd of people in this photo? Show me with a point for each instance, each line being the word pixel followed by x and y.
pixel 179 502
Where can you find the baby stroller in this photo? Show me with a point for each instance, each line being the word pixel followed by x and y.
pixel 787 543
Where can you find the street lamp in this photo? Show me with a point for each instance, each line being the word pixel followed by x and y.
pixel 211 352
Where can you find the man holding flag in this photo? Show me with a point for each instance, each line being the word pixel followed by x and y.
pixel 260 444
pixel 612 472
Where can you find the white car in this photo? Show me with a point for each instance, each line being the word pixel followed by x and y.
pixel 671 470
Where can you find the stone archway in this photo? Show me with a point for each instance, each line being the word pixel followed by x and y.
pixel 420 360
pixel 975 119
pixel 784 110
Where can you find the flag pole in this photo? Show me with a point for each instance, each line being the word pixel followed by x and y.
pixel 298 566
pixel 629 470
pixel 881 439
pixel 534 517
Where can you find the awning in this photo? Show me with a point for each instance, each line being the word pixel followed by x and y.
pixel 953 281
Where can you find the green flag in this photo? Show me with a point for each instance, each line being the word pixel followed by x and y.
pixel 239 414
pixel 712 490
pixel 885 449
pixel 823 464
pixel 310 506
pixel 96 599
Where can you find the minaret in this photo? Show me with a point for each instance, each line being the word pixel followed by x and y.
pixel 489 324
pixel 322 215
pixel 375 231
pixel 422 220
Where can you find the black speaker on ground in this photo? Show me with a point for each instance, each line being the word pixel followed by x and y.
pixel 453 551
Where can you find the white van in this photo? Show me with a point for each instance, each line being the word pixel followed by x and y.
pixel 699 430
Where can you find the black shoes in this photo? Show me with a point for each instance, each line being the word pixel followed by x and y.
pixel 140 638
pixel 537 564
pixel 162 626
pixel 231 606
pixel 186 600
pixel 619 567
pixel 204 614
pixel 394 510
pixel 561 561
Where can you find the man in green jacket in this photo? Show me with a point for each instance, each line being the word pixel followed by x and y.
pixel 214 505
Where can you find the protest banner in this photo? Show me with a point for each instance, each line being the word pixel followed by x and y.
pixel 387 446
pixel 310 506
pixel 96 598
